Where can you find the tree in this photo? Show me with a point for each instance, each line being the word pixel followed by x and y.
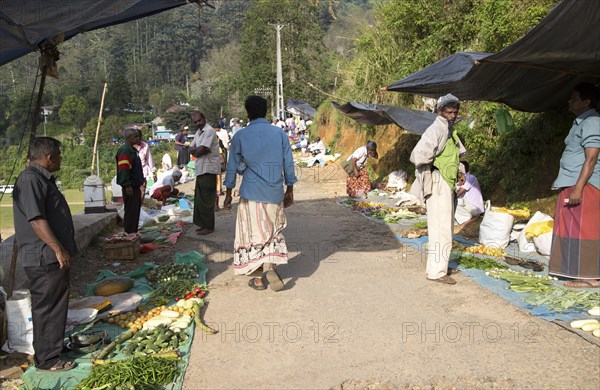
pixel 303 55
pixel 74 112
pixel 174 119
pixel 118 94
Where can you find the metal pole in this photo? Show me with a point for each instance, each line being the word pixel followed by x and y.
pixel 279 93
pixel 98 130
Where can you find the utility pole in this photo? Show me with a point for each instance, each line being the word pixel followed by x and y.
pixel 279 94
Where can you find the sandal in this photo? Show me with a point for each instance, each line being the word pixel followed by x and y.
pixel 274 279
pixel 259 287
pixel 453 271
pixel 444 279
pixel 60 365
pixel 582 284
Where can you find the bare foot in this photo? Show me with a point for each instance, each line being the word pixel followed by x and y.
pixel 583 283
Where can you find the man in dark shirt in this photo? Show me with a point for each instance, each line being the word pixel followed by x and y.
pixel 130 177
pixel 46 245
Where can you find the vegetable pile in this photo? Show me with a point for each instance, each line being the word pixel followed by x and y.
pixel 149 342
pixel 523 281
pixel 486 250
pixel 169 272
pixel 175 288
pixel 144 370
pixel 468 261
pixel 159 234
pixel 589 325
pixel 378 210
pixel 561 298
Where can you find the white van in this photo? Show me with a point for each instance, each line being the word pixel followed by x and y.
pixel 6 189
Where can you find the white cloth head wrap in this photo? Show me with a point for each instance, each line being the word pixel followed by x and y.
pixel 444 100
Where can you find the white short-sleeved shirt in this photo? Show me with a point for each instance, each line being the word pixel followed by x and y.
pixel 361 154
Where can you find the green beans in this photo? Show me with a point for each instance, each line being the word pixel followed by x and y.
pixel 174 288
pixel 147 370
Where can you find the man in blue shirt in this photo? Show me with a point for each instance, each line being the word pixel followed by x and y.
pixel 576 237
pixel 262 154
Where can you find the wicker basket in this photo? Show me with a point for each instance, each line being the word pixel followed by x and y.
pixel 123 250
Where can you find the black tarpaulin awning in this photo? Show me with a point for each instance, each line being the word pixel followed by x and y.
pixel 536 73
pixel 413 121
pixel 27 24
pixel 298 107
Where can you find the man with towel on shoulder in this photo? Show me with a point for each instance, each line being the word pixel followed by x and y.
pixel 436 158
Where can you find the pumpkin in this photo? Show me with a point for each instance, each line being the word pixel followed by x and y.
pixel 113 286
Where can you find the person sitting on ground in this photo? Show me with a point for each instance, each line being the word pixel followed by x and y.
pixel 165 190
pixel 469 204
pixel 317 146
pixel 358 184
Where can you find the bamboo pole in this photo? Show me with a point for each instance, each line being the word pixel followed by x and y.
pixel 98 130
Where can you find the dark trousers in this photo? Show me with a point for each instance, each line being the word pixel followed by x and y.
pixel 183 157
pixel 133 205
pixel 49 287
pixel 204 200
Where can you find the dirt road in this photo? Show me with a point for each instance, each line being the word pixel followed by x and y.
pixel 358 312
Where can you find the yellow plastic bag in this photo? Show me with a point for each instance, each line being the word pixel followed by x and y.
pixel 538 228
pixel 518 213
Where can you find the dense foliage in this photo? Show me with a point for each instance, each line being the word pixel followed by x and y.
pixel 345 49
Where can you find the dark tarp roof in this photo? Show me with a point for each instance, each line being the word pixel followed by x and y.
pixel 26 24
pixel 301 107
pixel 536 73
pixel 413 121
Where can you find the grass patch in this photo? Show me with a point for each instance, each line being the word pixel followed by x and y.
pixel 74 199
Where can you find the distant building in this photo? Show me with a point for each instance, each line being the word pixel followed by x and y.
pixel 47 110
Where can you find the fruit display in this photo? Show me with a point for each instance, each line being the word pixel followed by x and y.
pixel 137 320
pixel 486 250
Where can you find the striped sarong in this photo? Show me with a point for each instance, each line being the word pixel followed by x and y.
pixel 258 238
pixel 576 236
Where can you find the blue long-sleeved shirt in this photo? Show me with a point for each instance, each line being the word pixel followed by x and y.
pixel 265 150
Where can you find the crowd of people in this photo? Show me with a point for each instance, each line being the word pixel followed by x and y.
pixel 44 229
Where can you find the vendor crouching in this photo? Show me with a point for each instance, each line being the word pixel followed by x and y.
pixel 167 190
pixel 358 184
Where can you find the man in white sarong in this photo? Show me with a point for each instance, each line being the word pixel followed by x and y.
pixel 436 158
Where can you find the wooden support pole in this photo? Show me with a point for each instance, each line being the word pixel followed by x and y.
pixel 98 131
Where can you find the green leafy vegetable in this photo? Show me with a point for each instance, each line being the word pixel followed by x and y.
pixel 561 298
pixel 468 261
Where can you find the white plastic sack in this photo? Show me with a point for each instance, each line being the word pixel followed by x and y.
pixel 19 324
pixel 495 228
pixel 397 179
pixel 144 217
pixel 543 243
pixel 525 245
pixel 516 230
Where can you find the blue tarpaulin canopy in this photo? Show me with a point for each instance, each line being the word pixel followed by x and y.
pixel 536 73
pixel 25 25
pixel 413 121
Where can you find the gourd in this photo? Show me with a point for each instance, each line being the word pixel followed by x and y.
pixel 590 327
pixel 580 323
pixel 596 333
pixel 594 311
pixel 113 286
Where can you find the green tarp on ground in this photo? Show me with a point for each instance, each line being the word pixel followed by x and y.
pixel 34 379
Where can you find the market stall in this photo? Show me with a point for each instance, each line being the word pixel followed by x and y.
pixel 141 331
